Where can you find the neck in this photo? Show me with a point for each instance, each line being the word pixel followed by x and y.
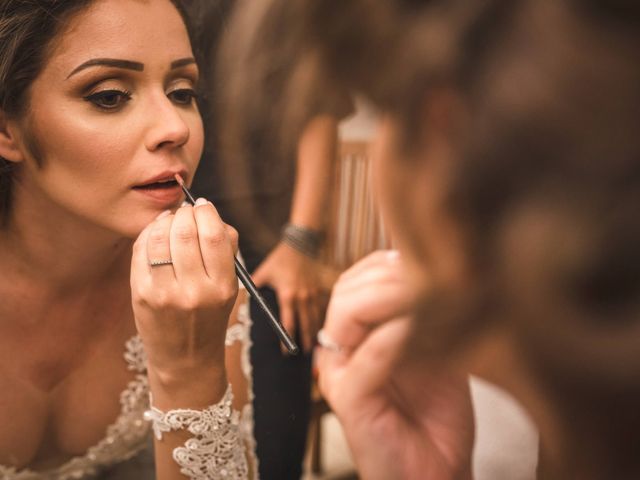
pixel 58 251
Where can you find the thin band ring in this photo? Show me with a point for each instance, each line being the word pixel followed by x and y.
pixel 158 263
pixel 328 343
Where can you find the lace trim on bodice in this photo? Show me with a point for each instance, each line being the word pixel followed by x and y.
pixel 129 433
pixel 125 437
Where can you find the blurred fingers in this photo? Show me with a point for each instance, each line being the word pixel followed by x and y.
pixel 352 314
pixel 379 257
pixel 305 322
pixel 287 314
pixel 365 370
pixel 317 307
pixel 259 277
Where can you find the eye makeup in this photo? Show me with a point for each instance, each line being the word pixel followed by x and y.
pixel 108 99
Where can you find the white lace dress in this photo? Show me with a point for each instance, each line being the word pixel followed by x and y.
pixel 130 432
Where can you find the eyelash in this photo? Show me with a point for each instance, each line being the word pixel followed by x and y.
pixel 189 92
pixel 98 97
pixel 123 96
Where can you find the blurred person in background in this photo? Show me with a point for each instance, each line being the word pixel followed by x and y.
pixel 277 200
pixel 508 168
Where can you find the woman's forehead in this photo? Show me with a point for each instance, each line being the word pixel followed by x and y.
pixel 134 30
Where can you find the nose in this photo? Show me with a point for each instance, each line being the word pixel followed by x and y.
pixel 167 128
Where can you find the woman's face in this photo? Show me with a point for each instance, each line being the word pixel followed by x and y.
pixel 112 114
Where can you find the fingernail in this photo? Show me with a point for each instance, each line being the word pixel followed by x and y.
pixel 393 255
pixel 201 201
pixel 163 214
pixel 184 204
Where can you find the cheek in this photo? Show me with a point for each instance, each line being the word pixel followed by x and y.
pixel 85 168
pixel 79 147
pixel 196 138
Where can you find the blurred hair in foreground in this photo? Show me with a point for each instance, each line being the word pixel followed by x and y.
pixel 545 177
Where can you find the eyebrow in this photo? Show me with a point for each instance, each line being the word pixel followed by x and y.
pixel 109 62
pixel 182 62
pixel 126 64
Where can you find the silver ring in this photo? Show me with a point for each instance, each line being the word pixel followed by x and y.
pixel 157 263
pixel 328 343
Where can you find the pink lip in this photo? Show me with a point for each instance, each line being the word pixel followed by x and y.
pixel 162 177
pixel 165 197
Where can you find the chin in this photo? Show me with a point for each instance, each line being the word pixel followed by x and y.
pixel 133 226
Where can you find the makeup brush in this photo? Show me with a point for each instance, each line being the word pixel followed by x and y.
pixel 245 278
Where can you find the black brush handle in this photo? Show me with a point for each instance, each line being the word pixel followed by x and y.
pixel 246 280
pixel 284 337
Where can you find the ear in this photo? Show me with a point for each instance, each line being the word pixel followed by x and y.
pixel 10 146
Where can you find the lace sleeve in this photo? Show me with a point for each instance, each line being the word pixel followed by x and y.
pixel 239 373
pixel 223 445
pixel 216 450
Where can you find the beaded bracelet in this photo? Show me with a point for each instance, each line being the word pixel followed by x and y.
pixel 305 240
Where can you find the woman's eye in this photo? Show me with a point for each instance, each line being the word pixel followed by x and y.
pixel 182 96
pixel 109 99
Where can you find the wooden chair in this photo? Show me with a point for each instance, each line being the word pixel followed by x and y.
pixel 355 229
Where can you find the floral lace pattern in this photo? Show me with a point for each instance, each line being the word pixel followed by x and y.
pixel 216 451
pixel 129 433
pixel 241 332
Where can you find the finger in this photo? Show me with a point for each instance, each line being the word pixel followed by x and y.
pixel 315 316
pixel 322 303
pixel 233 236
pixel 287 314
pixel 259 277
pixel 215 244
pixel 185 246
pixel 379 257
pixel 304 323
pixel 382 353
pixel 159 249
pixel 370 367
pixel 375 273
pixel 351 316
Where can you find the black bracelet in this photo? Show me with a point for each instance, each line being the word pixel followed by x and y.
pixel 305 240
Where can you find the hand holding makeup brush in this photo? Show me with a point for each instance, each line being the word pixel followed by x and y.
pixel 184 287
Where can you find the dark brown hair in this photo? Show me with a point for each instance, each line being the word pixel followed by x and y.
pixel 27 30
pixel 546 181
